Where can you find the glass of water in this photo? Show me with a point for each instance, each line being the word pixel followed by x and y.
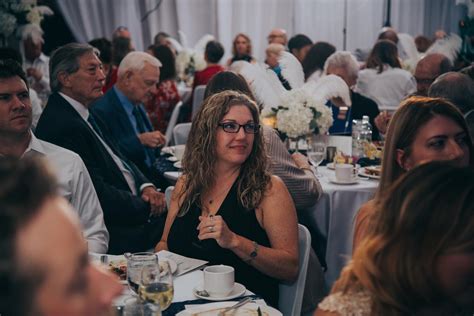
pixel 135 264
pixel 157 285
pixel 316 152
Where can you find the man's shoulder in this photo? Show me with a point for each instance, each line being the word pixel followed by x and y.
pixel 61 158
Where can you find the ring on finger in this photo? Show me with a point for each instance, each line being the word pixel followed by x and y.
pixel 211 229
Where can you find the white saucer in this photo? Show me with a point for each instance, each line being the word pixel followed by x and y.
pixel 335 181
pixel 238 290
pixel 330 165
pixel 172 158
pixel 178 165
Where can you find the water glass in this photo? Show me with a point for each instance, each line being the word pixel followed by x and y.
pixel 316 149
pixel 135 264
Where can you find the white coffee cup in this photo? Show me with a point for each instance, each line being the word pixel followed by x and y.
pixel 219 280
pixel 179 151
pixel 345 172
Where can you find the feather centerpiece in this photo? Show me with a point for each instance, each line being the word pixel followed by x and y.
pixel 291 69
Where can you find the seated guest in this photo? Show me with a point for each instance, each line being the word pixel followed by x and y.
pixel 213 54
pixel 121 109
pixel 428 69
pixel 241 49
pixel 44 265
pixel 273 53
pixel 161 105
pixel 344 65
pixel 277 36
pixel 418 259
pixel 383 80
pixel 127 197
pixel 244 217
pixel 299 45
pixel 457 88
pixel 313 63
pixel 422 129
pixel 17 140
pixel 121 46
pixel 293 169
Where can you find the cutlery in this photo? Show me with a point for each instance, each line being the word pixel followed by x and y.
pixel 239 304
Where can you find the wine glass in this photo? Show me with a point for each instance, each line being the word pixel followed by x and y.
pixel 157 285
pixel 316 152
pixel 135 264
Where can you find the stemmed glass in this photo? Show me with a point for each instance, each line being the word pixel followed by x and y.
pixel 316 152
pixel 157 285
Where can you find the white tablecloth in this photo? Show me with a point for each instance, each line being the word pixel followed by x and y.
pixel 333 216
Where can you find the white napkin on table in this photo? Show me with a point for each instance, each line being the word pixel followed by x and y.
pixel 211 309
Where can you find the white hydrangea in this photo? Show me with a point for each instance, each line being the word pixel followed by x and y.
pixel 8 24
pixel 300 114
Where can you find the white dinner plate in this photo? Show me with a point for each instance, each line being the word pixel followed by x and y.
pixel 364 172
pixel 178 165
pixel 248 309
pixel 121 261
pixel 238 290
pixel 336 181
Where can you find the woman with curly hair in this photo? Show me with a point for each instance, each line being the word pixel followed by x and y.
pixel 419 259
pixel 226 207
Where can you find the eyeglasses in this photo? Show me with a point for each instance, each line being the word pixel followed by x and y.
pixel 232 127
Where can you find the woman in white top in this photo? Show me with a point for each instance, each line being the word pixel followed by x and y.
pixel 383 80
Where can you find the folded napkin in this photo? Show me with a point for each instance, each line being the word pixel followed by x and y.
pixel 213 309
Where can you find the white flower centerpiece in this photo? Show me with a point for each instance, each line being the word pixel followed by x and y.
pixel 301 114
pixel 20 16
pixel 187 63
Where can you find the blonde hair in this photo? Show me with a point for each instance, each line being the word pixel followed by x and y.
pixel 396 262
pixel 249 44
pixel 410 117
pixel 200 156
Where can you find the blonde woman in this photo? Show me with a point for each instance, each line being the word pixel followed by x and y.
pixel 241 49
pixel 227 208
pixel 423 129
pixel 419 259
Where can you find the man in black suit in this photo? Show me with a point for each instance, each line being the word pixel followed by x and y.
pixel 131 204
pixel 121 109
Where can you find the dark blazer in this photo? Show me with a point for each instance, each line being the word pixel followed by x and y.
pixel 125 214
pixel 112 113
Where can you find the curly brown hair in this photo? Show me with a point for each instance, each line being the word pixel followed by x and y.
pixel 200 155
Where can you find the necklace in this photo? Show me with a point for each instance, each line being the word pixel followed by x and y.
pixel 226 189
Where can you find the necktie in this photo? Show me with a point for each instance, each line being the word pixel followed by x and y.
pixel 96 128
pixel 150 156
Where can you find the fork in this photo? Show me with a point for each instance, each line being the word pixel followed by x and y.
pixel 237 305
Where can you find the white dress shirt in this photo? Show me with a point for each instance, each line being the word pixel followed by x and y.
pixel 76 186
pixel 387 88
pixel 42 86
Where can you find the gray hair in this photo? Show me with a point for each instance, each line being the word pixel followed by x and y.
pixel 457 88
pixel 66 59
pixel 136 61
pixel 343 59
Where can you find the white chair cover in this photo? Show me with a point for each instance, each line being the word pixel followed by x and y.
pixel 198 97
pixel 180 133
pixel 291 294
pixel 172 122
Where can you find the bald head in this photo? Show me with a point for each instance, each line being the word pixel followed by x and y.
pixel 277 36
pixel 428 69
pixel 457 88
pixel 389 35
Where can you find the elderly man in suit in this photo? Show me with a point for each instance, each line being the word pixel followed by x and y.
pixel 131 204
pixel 121 109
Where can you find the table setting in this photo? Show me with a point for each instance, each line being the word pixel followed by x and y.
pixel 166 283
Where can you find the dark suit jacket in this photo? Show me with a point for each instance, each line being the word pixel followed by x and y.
pixel 112 113
pixel 125 214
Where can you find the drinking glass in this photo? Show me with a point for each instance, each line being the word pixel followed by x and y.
pixel 135 264
pixel 157 285
pixel 316 150
pixel 135 307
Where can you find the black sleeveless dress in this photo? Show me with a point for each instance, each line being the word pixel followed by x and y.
pixel 183 240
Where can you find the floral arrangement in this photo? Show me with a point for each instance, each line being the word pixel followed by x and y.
pixel 187 63
pixel 300 114
pixel 17 14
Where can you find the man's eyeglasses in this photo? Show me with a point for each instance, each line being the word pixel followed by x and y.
pixel 232 127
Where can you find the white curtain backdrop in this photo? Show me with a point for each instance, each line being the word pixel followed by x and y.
pixel 321 20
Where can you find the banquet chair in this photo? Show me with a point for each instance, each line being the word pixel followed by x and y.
pixel 291 294
pixel 172 122
pixel 168 194
pixel 198 97
pixel 180 133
